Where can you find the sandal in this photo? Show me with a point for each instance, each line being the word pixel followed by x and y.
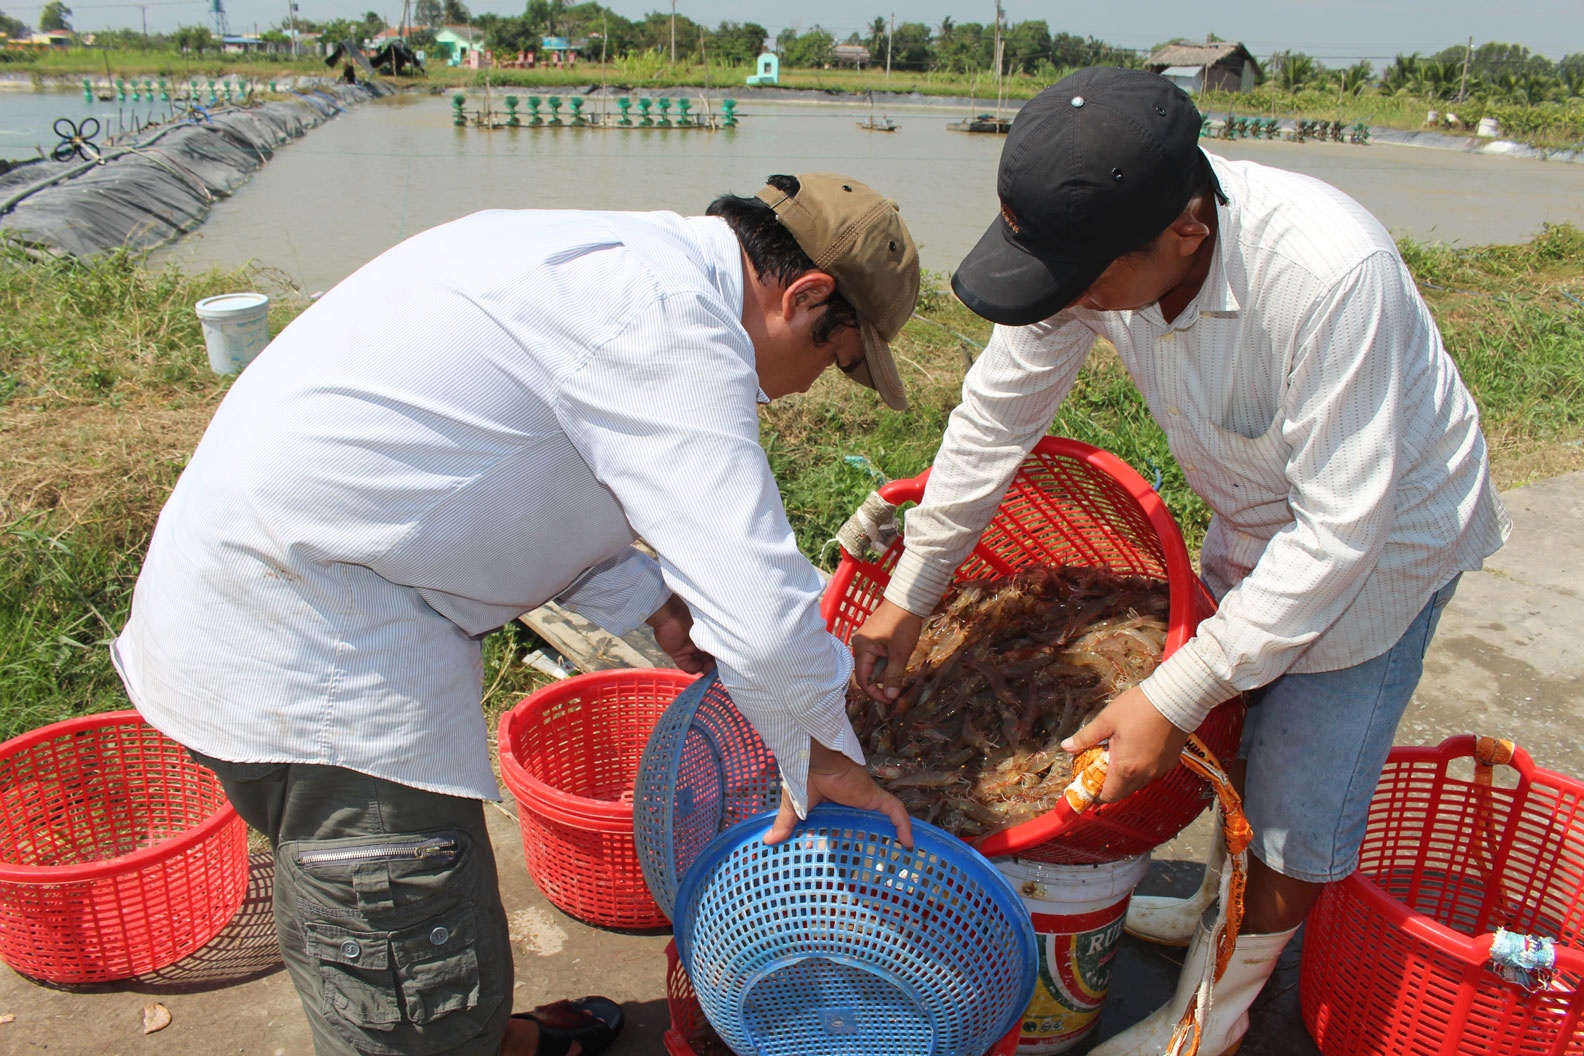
pixel 592 1022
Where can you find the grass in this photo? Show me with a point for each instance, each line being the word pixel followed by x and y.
pixel 105 390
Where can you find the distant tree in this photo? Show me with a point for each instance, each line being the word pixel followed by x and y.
pixel 334 31
pixel 1570 73
pixel 192 38
pixel 910 47
pixel 1356 77
pixel 1491 60
pixel 454 13
pixel 966 50
pixel 1027 43
pixel 654 34
pixel 944 34
pixel 877 38
pixel 370 25
pixel 1401 74
pixel 55 15
pixel 737 43
pixel 429 13
pixel 275 38
pixel 1071 52
pixel 811 50
pixel 1294 71
pixel 11 27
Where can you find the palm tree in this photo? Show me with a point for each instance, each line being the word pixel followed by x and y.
pixel 1356 77
pixel 946 27
pixel 1401 74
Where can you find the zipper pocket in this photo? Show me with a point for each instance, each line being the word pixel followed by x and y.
pixel 439 848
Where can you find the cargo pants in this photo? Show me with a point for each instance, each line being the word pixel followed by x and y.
pixel 387 906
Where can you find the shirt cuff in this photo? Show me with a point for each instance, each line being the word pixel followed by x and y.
pixel 1185 690
pixel 917 584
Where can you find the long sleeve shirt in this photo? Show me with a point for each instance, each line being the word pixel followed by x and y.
pixel 1307 396
pixel 483 418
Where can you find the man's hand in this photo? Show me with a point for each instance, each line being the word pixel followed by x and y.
pixel 835 778
pixel 673 631
pixel 881 649
pixel 1143 743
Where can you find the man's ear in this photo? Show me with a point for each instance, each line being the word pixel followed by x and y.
pixel 808 290
pixel 1190 233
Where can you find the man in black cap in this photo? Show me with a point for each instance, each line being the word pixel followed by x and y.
pixel 1280 342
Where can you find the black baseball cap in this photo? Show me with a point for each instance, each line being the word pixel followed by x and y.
pixel 1095 166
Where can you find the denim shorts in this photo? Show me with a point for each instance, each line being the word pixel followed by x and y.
pixel 1315 745
pixel 387 906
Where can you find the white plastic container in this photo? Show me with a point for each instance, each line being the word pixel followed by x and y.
pixel 1078 912
pixel 1488 128
pixel 235 329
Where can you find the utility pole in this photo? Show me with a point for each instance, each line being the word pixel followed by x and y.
pixel 144 8
pixel 889 34
pixel 1463 84
pixel 673 32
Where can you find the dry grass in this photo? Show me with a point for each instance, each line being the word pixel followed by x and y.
pixel 95 466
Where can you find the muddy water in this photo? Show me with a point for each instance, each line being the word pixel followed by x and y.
pixel 388 169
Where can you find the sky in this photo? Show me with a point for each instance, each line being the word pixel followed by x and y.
pixel 1337 32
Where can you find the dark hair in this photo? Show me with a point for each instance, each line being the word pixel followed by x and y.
pixel 773 251
pixel 1201 184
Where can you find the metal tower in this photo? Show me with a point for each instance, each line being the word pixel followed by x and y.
pixel 217 9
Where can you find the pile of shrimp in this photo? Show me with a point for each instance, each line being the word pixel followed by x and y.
pixel 1004 670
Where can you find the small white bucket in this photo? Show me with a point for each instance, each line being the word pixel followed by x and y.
pixel 235 329
pixel 1488 128
pixel 1078 912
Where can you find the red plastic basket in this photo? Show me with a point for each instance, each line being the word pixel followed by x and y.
pixel 119 854
pixel 687 1014
pixel 1396 957
pixel 1072 504
pixel 569 753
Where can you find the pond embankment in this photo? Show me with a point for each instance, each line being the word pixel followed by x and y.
pixel 144 189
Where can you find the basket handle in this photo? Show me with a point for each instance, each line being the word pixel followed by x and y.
pixel 1082 792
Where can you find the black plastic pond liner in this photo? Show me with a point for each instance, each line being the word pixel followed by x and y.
pixel 148 189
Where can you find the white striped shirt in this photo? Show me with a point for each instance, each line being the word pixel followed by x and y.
pixel 453 436
pixel 1307 396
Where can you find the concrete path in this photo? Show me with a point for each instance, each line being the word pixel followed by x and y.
pixel 1507 661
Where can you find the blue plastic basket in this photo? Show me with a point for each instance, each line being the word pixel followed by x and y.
pixel 839 940
pixel 703 770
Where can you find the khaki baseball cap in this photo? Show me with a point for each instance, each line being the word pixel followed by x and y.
pixel 858 238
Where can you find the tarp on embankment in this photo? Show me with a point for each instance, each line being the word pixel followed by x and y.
pixel 1473 145
pixel 148 189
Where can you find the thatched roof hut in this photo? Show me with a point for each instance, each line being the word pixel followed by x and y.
pixel 1207 66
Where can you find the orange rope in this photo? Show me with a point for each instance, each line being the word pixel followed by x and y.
pixel 1238 834
pixel 1489 753
pixel 1089 778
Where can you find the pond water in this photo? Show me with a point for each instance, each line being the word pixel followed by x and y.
pixel 390 168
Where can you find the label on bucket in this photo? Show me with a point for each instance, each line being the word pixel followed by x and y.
pixel 1075 956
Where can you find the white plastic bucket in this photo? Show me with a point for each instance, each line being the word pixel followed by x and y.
pixel 235 329
pixel 1078 912
pixel 1487 128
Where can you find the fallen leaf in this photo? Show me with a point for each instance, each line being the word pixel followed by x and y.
pixel 9 1017
pixel 155 1017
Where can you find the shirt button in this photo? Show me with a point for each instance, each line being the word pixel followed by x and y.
pixel 439 936
pixel 351 950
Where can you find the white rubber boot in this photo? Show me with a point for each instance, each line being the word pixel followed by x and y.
pixel 1173 921
pixel 1223 1026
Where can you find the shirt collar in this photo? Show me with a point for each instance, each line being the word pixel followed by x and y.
pixel 1215 294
